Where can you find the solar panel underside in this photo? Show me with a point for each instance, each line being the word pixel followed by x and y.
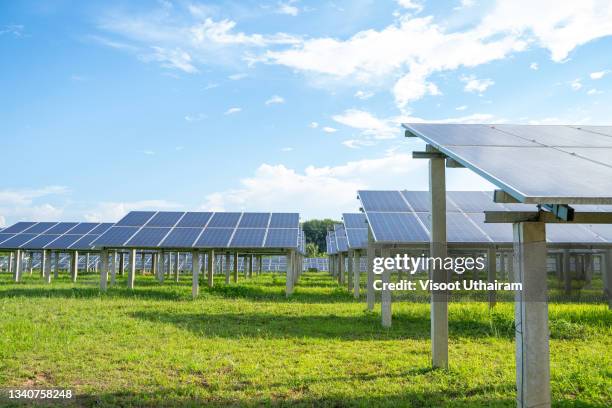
pixel 536 164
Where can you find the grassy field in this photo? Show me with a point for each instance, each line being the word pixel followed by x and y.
pixel 247 344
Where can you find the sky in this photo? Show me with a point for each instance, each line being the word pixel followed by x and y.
pixel 111 106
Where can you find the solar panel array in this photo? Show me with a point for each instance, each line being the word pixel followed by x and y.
pixel 167 229
pixel 340 235
pixel 331 243
pixel 52 235
pixel 320 264
pixel 536 164
pixel 356 228
pixel 404 217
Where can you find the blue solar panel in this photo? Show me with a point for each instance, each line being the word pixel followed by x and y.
pixel 181 237
pixel 357 238
pixel 603 230
pixel 40 241
pixel 63 242
pixel 115 236
pixel 84 243
pixel 354 220
pixel 165 219
pixel 248 238
pixel 419 200
pixel 214 237
pixel 458 228
pixel 383 201
pixel 136 219
pixel 254 220
pixel 569 233
pixel 473 201
pixel 4 237
pixel 195 219
pixel 284 220
pixel 84 228
pixel 19 227
pixel 102 228
pixel 341 241
pixel 40 227
pixel 16 241
pixel 396 227
pixel 62 228
pixel 499 233
pixel 284 237
pixel 148 237
pixel 224 220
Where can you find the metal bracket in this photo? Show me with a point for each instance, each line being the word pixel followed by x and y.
pixel 453 164
pixel 561 211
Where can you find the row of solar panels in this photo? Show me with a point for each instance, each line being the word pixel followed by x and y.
pixel 150 229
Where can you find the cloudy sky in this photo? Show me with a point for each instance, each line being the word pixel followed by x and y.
pixel 109 106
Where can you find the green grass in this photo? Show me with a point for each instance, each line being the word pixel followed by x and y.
pixel 247 344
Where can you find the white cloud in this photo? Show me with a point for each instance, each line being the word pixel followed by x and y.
pixel 357 143
pixel 369 124
pixel 410 5
pixel 237 77
pixel 111 211
pixel 313 125
pixel 329 129
pixel 576 85
pixel 287 149
pixel 461 108
pixel 16 30
pixel 331 190
pixel 275 99
pixel 599 74
pixel 195 117
pixel 534 66
pixel 31 204
pixel 288 8
pixel 363 95
pixel 473 84
pixel 171 58
pixel 148 152
pixel 594 92
pixel 233 110
pixel 2 221
pixel 210 85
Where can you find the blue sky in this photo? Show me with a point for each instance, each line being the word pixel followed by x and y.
pixel 111 106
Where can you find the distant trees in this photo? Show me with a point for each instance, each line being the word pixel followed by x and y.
pixel 316 232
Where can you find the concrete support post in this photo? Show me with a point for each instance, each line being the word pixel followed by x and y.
pixel 177 259
pixel 235 267
pixel 211 268
pixel 289 282
pixel 227 268
pixel 567 273
pixel 341 269
pixel 132 271
pixel 31 264
pixel 438 249
pixel 74 265
pixel 43 263
pixel 370 294
pixel 502 264
pixel 491 274
pixel 11 258
pixel 356 273
pixel 385 294
pixel 259 264
pixel 195 274
pixel 588 270
pixel 606 274
pixel 56 265
pixel 250 265
pixel 349 271
pixel 154 259
pixel 531 316
pixel 46 257
pixel 17 266
pixel 103 270
pixel 113 268
pixel 87 262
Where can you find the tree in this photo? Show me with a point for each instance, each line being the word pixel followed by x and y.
pixel 316 232
pixel 312 250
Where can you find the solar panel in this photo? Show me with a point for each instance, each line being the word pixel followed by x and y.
pixel 527 162
pixel 341 240
pixel 102 228
pixel 602 230
pixel 40 241
pixel 604 130
pixel 40 227
pixel 214 237
pixel 396 227
pixel 83 228
pixel 195 219
pixel 224 220
pixel 473 201
pixel 165 219
pixel 248 238
pixel 570 233
pixel 459 228
pixel 356 230
pixel 63 242
pixel 62 228
pixel 181 237
pixel 281 237
pixel 284 220
pixel 499 233
pixel 148 237
pixel 16 241
pixel 254 220
pixel 84 242
pixel 135 219
pixel 354 220
pixel 383 201
pixel 115 236
pixel 17 228
pixel 418 200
